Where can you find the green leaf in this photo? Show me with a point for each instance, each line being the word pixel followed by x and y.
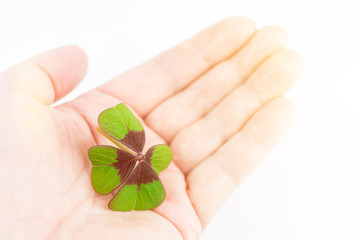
pixel 159 157
pixel 102 155
pixel 150 195
pixel 121 125
pixel 104 179
pixel 142 190
pixel 125 199
pixel 110 167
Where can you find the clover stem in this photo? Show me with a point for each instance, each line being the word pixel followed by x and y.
pixel 120 145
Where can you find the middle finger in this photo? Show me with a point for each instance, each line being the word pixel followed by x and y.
pixel 199 98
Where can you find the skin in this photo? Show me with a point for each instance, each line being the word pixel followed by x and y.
pixel 216 99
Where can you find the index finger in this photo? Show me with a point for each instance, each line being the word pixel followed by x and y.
pixel 150 83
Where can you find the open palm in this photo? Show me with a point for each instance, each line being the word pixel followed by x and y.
pixel 215 99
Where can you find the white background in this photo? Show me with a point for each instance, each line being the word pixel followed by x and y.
pixel 308 188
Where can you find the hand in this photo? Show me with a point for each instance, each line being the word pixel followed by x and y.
pixel 216 99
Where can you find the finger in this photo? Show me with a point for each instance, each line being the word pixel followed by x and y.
pixel 218 176
pixel 147 85
pixel 200 97
pixel 48 76
pixel 272 79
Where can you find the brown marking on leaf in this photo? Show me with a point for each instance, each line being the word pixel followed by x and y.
pixel 149 154
pixel 143 173
pixel 125 163
pixel 134 140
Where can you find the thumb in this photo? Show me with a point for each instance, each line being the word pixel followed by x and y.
pixel 48 76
